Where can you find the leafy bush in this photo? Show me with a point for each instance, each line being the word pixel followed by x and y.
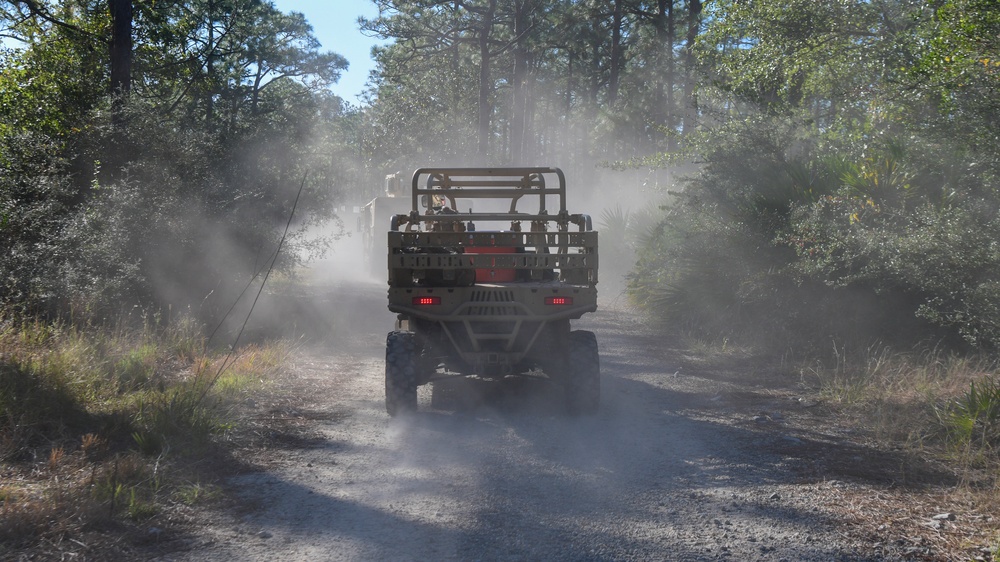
pixel 939 262
pixel 186 224
pixel 791 243
pixel 712 265
pixel 177 196
pixel 623 231
pixel 974 419
pixel 36 201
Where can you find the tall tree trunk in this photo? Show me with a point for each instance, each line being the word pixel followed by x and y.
pixel 565 137
pixel 209 70
pixel 485 81
pixel 665 33
pixel 530 145
pixel 690 101
pixel 616 53
pixel 519 79
pixel 120 151
pixel 570 82
pixel 120 55
pixel 592 95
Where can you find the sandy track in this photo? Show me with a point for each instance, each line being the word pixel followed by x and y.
pixel 654 476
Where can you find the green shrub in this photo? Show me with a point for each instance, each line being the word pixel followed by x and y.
pixel 974 419
pixel 36 202
pixel 623 232
pixel 33 404
pixel 789 242
pixel 934 264
pixel 183 415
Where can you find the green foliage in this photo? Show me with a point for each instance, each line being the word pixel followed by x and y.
pixel 622 233
pixel 942 258
pixel 182 416
pixel 413 122
pixel 957 70
pixel 36 202
pixel 32 401
pixel 47 87
pixel 57 378
pixel 712 265
pixel 974 419
pixel 798 248
pixel 782 55
pixel 197 493
pixel 175 198
pixel 566 82
pixel 838 198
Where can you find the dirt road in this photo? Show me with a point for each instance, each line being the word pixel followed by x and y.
pixel 685 461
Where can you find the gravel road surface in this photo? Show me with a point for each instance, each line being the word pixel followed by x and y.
pixel 681 463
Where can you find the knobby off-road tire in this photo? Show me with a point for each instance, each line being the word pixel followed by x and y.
pixel 400 373
pixel 582 378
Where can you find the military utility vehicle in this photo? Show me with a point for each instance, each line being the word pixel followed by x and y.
pixel 374 218
pixel 485 273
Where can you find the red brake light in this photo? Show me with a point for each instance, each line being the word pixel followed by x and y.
pixel 423 301
pixel 559 300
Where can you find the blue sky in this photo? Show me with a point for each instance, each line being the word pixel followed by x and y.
pixel 335 24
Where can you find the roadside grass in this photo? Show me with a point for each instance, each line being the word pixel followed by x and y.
pixel 931 401
pixel 100 425
pixel 935 413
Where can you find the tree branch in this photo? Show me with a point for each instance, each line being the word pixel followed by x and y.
pixel 40 11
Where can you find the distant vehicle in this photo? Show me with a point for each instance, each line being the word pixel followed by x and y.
pixel 491 294
pixel 374 220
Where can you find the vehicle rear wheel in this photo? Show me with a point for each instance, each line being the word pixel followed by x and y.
pixel 400 373
pixel 583 376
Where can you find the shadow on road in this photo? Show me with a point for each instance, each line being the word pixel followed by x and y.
pixel 502 473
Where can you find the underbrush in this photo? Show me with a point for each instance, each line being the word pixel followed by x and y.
pixel 940 403
pixel 99 425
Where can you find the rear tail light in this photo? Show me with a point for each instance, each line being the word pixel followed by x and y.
pixel 559 301
pixel 425 301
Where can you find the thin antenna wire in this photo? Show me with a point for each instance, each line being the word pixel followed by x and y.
pixel 226 362
pixel 238 299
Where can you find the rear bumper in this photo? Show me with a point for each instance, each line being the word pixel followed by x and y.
pixel 496 301
pixel 493 327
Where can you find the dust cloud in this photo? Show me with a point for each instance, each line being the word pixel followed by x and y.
pixel 511 477
pixel 328 299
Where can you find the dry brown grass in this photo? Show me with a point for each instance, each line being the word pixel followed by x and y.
pixel 902 521
pixel 898 396
pixel 48 501
pixel 909 402
pixel 97 426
